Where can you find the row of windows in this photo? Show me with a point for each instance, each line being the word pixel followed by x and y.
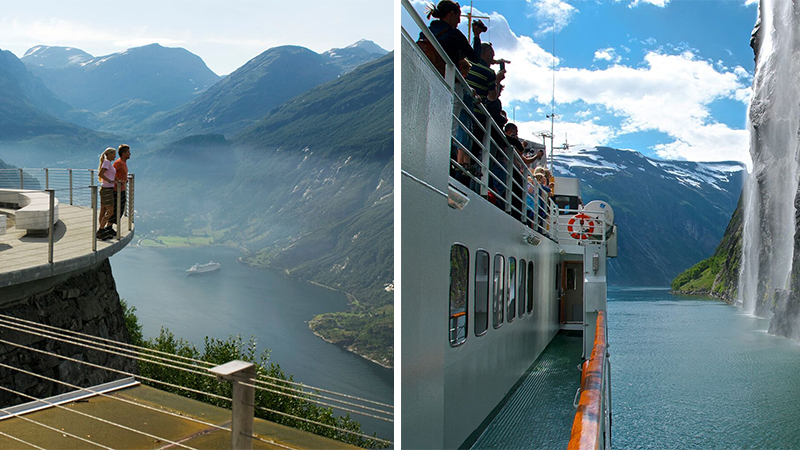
pixel 511 286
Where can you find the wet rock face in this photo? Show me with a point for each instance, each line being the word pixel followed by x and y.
pixel 87 303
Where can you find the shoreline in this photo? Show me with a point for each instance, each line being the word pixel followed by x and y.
pixel 351 299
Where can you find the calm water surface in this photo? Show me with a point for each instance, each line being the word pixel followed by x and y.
pixel 239 299
pixel 691 373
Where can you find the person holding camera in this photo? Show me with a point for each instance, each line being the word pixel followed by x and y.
pixel 447 15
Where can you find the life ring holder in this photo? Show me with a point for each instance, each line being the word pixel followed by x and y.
pixel 584 229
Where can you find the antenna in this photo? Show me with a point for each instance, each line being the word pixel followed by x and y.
pixel 553 99
pixel 469 17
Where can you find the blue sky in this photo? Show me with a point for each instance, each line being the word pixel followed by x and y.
pixel 670 79
pixel 226 34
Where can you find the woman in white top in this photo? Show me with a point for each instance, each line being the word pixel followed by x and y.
pixel 106 175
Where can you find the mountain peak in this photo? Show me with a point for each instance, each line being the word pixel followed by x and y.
pixel 55 57
pixel 368 46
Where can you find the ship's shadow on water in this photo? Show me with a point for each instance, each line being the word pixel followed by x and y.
pixel 249 301
pixel 694 373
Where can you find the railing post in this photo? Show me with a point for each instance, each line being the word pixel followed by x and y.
pixel 118 209
pixel 70 187
pixel 46 178
pixel 21 183
pixel 50 219
pixel 240 374
pixel 130 201
pixel 91 177
pixel 485 158
pixel 94 217
pixel 509 152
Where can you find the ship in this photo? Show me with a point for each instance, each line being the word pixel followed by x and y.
pixel 504 339
pixel 203 268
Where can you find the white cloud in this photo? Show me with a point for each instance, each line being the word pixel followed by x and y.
pixel 607 54
pixel 750 2
pixel 553 15
pixel 659 3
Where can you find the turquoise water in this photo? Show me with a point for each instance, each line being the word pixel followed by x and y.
pixel 239 299
pixel 689 373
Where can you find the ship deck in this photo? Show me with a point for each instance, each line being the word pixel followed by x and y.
pixel 539 412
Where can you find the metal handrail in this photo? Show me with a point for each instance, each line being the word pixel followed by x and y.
pixel 73 196
pixel 589 426
pixel 502 182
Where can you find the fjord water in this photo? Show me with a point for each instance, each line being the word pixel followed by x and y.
pixel 694 373
pixel 249 301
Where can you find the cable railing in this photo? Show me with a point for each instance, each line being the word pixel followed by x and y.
pixel 51 214
pixel 204 369
pixel 481 157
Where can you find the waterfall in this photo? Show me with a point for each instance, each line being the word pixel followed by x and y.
pixel 771 190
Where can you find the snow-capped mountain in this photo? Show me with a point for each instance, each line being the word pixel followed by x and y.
pixel 354 55
pixel 671 214
pixel 150 78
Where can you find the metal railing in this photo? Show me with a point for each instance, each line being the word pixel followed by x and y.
pixel 591 428
pixel 482 158
pixel 72 207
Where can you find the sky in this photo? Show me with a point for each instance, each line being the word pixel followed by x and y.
pixel 225 34
pixel 669 78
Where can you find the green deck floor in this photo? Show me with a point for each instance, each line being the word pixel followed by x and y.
pixel 539 413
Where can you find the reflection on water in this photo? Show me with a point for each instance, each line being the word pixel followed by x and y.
pixel 691 373
pixel 239 299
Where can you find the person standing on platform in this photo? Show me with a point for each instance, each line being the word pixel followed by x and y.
pixel 121 185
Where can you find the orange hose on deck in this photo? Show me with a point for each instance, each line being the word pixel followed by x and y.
pixel 587 419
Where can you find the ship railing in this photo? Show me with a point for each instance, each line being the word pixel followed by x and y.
pixel 581 226
pixel 481 157
pixel 72 204
pixel 591 428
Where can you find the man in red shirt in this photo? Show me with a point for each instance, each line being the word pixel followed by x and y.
pixel 121 166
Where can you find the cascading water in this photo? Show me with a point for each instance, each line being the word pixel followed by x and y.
pixel 765 284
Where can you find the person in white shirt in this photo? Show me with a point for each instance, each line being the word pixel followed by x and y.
pixel 106 176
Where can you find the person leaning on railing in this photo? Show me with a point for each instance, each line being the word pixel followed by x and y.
pixel 447 15
pixel 121 178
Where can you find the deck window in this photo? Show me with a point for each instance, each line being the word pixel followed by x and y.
pixel 512 289
pixel 530 287
pixel 521 288
pixel 572 279
pixel 498 290
pixel 459 291
pixel 481 292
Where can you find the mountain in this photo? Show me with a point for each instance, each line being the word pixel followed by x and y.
pixel 307 189
pixel 159 77
pixel 354 55
pixel 670 214
pixel 55 57
pixel 248 93
pixel 31 115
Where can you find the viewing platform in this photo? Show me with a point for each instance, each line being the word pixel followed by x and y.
pixel 30 249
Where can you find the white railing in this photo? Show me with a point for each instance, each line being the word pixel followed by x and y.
pixel 582 226
pixel 495 170
pixel 73 215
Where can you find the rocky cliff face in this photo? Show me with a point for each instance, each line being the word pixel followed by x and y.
pixel 87 302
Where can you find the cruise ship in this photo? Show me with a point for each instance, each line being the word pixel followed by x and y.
pixel 203 268
pixel 504 341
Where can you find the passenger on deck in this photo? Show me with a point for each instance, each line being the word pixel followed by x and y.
pixel 445 29
pixel 538 159
pixel 544 217
pixel 462 130
pixel 107 177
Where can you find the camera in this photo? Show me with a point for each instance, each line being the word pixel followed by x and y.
pixel 502 65
pixel 478 26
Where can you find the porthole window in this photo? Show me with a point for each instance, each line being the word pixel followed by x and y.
pixel 530 286
pixel 481 292
pixel 521 288
pixel 498 290
pixel 459 291
pixel 512 289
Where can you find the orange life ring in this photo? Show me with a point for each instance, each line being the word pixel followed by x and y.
pixel 584 229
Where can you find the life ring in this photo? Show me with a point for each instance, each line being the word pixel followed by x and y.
pixel 584 228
